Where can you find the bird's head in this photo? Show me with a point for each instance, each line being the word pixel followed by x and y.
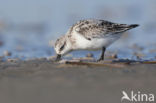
pixel 62 47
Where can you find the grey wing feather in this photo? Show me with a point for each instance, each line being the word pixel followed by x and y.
pixel 99 28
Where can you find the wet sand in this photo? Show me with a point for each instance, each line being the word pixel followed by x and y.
pixel 43 81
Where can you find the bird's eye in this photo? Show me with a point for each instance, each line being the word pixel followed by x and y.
pixel 62 47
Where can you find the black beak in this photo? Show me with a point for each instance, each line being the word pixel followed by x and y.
pixel 58 57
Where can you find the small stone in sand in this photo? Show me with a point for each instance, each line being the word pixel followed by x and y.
pixel 114 56
pixel 90 55
pixel 7 53
pixel 12 60
pixel 138 55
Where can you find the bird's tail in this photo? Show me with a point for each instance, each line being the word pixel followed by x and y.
pixel 133 26
pixel 119 28
pixel 128 27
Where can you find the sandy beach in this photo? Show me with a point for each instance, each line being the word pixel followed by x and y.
pixel 38 81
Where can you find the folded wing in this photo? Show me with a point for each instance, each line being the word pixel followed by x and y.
pixel 99 28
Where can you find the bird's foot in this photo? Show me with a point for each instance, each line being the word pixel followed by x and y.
pixel 100 59
pixel 58 58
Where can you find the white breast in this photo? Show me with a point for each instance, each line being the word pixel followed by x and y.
pixel 94 44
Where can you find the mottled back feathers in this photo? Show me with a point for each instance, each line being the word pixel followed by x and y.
pixel 98 28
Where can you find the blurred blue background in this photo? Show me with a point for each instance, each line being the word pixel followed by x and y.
pixel 29 28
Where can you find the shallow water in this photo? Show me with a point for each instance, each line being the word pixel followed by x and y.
pixel 26 27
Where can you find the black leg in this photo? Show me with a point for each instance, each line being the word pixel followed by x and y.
pixel 102 54
pixel 58 57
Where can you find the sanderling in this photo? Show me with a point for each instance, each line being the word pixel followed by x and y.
pixel 90 34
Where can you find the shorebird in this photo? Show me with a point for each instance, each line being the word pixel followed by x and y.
pixel 91 34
